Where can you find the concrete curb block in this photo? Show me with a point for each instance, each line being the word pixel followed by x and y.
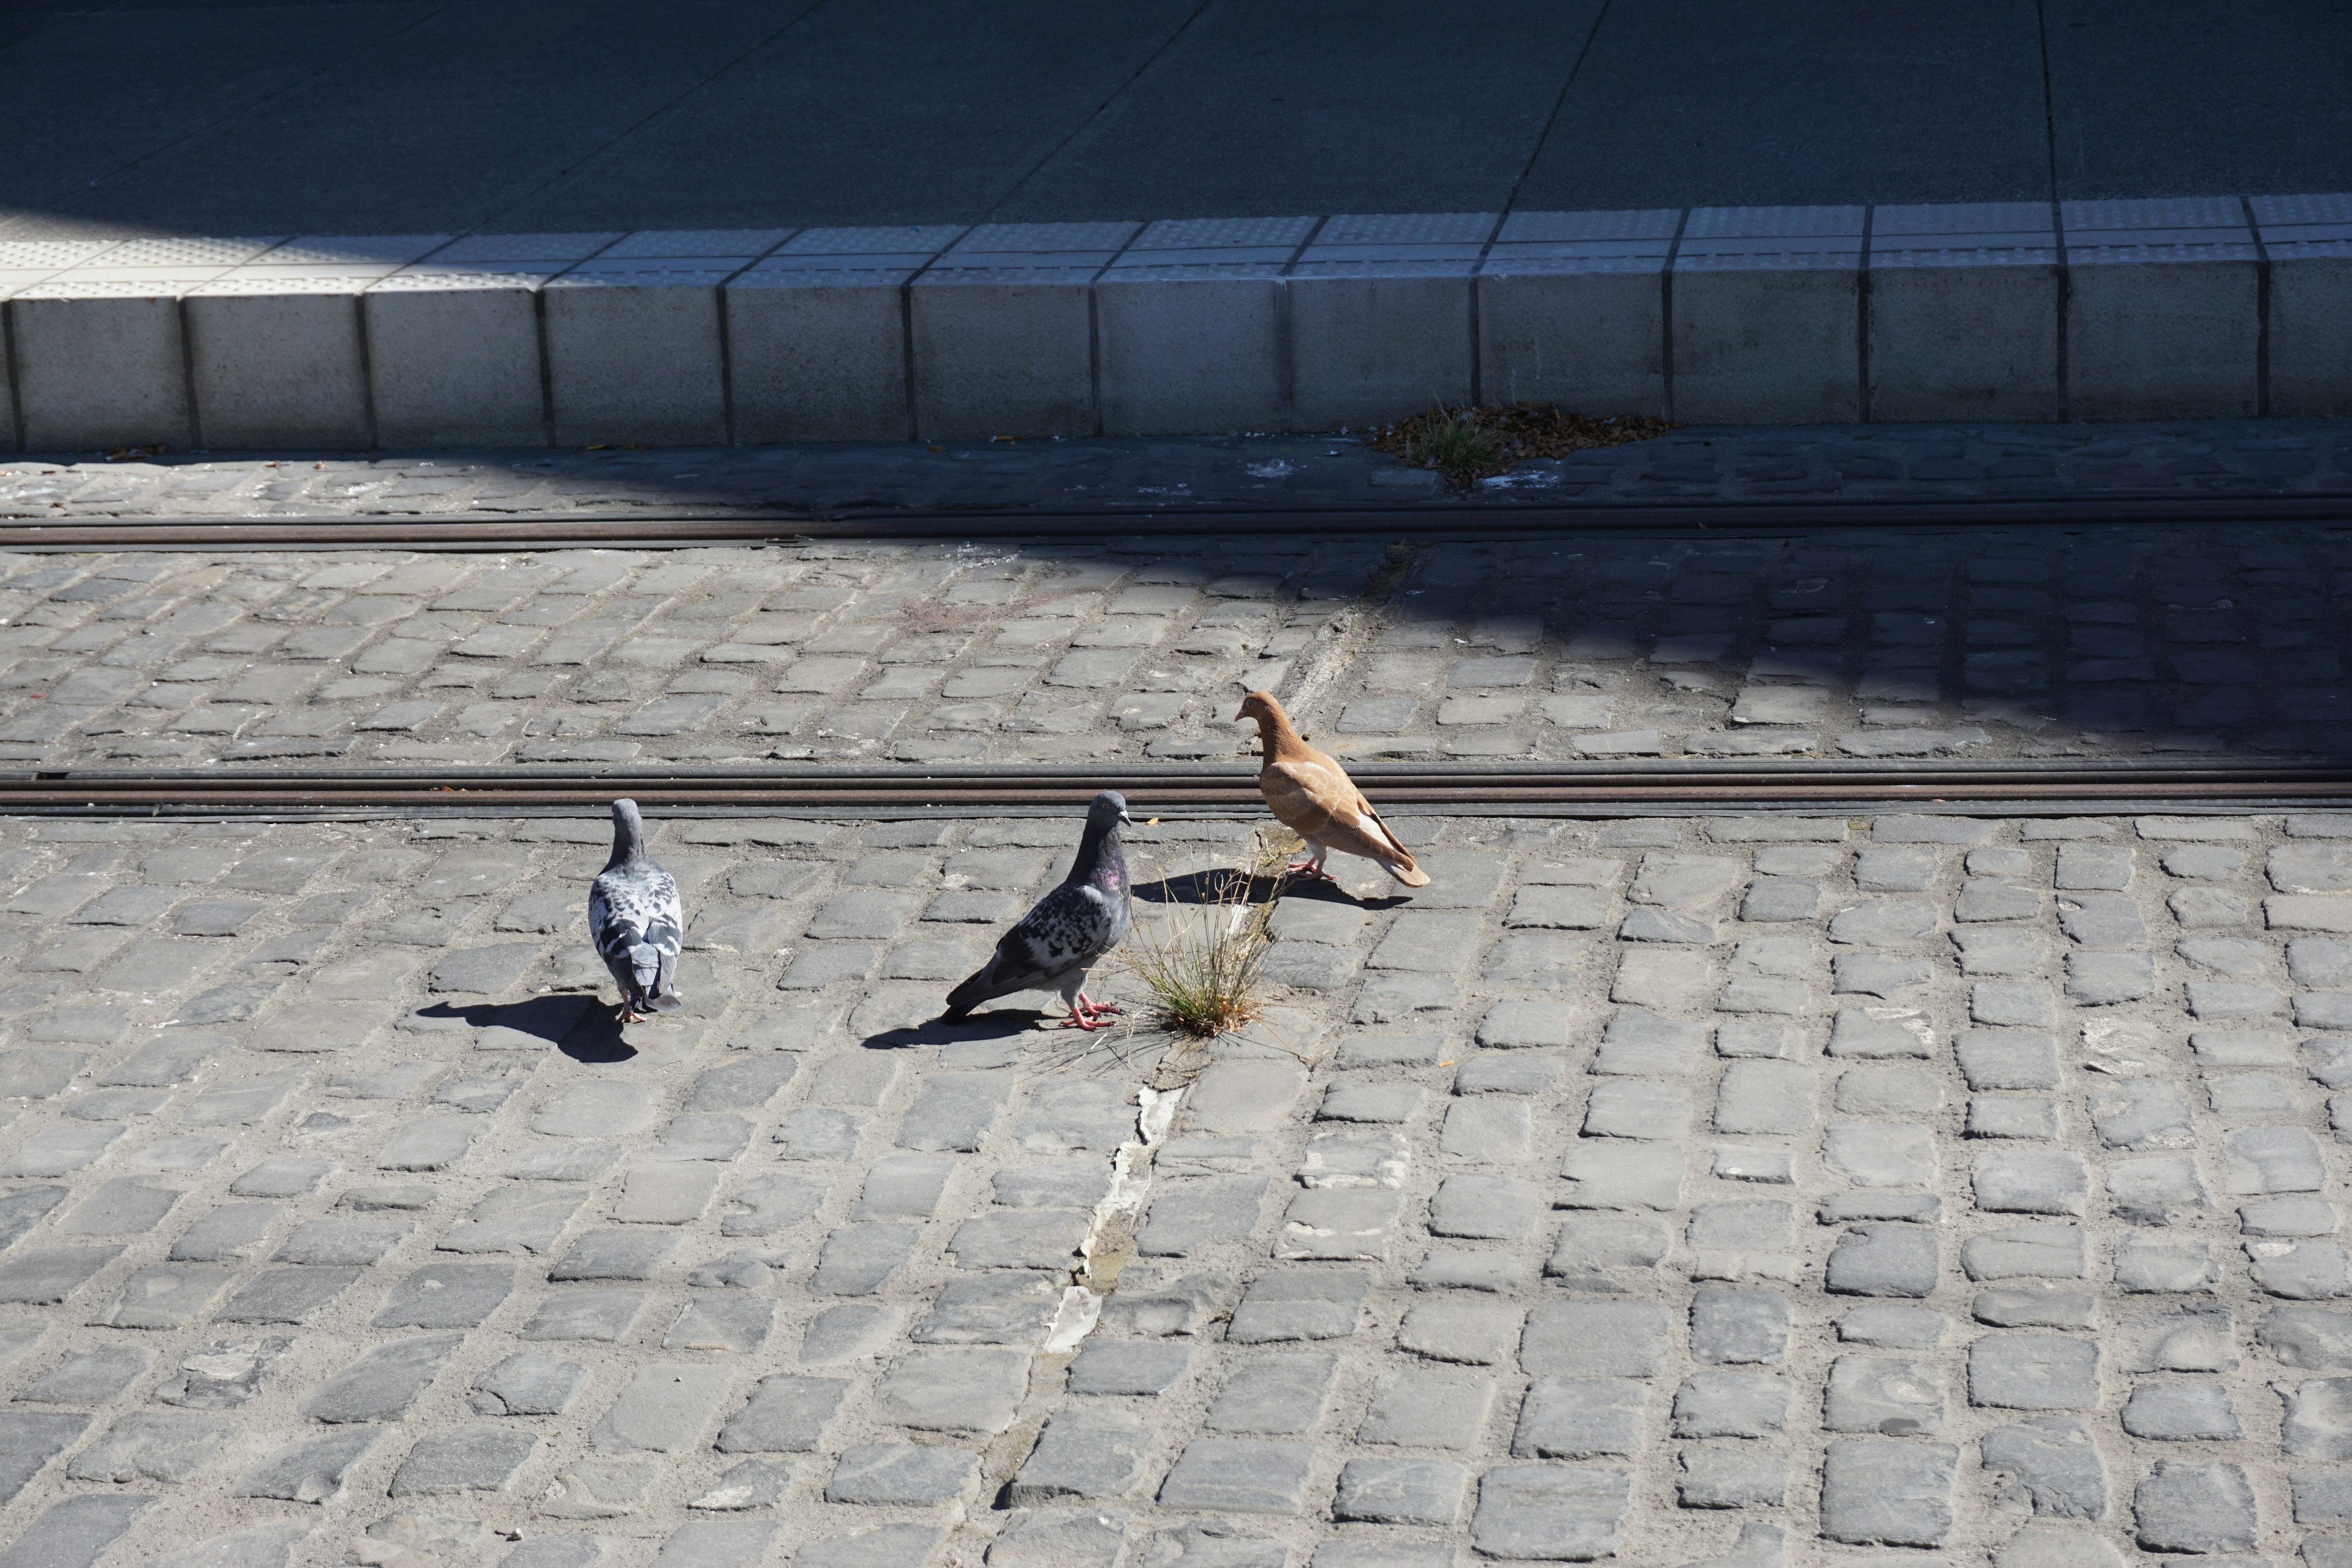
pixel 2189 308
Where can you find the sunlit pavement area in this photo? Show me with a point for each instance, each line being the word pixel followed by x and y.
pixel 1752 1188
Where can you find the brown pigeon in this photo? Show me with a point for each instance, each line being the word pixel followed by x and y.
pixel 1314 797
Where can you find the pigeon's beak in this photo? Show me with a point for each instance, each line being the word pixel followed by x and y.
pixel 1126 819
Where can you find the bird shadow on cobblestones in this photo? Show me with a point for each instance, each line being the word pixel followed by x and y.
pixel 997 1025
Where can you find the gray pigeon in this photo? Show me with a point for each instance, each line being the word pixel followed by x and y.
pixel 636 919
pixel 1055 944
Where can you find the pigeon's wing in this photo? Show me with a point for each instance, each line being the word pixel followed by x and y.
pixel 1316 799
pixel 612 938
pixel 664 913
pixel 1059 935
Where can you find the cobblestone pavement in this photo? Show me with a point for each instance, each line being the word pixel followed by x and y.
pixel 2000 641
pixel 1824 463
pixel 1742 1191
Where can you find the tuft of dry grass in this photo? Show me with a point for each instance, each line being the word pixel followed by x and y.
pixel 1204 964
pixel 1471 443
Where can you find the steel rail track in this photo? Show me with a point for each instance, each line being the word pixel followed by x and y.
pixel 1515 789
pixel 688 525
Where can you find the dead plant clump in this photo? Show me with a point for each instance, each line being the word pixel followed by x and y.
pixel 1469 443
pixel 1204 963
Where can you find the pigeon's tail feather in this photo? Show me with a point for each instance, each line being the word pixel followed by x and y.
pixel 645 963
pixel 980 987
pixel 1411 875
pixel 669 1004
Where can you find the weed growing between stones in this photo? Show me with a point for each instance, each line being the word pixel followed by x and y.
pixel 1468 444
pixel 1204 963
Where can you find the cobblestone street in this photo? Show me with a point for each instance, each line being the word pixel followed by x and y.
pixel 1994 642
pixel 1745 1189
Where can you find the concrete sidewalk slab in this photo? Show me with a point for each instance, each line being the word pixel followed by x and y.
pixel 517 115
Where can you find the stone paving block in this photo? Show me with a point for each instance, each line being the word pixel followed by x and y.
pixel 1126 1366
pixel 1715 1477
pixel 2043 1252
pixel 1595 1339
pixel 1739 1327
pixel 666 1192
pixel 1578 1418
pixel 1731 1405
pixel 2188 1507
pixel 1884 1260
pixel 1239 1476
pixel 1880 1491
pixel 664 1409
pixel 1401 1492
pixel 1081 1453
pixel 786 1414
pixel 2047 1467
pixel 972 1389
pixel 287 1295
pixel 1005 1308
pixel 88 1377
pixel 1300 1304
pixel 383 1384
pixel 76 1532
pixel 164 1298
pixel 717 1543
pixel 47 1276
pixel 446 1296
pixel 1273 1393
pixel 152 1446
pixel 2315 1424
pixel 1618 1175
pixel 1051 1538
pixel 311 1471
pixel 528 1384
pixel 584 1313
pixel 1415 1408
pixel 890 1546
pixel 1557 1512
pixel 277 369
pixel 462 1460
pixel 2181 1412
pixel 2033 1371
pixel 900 1474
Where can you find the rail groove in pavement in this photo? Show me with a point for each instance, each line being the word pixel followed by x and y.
pixel 688 526
pixel 2071 786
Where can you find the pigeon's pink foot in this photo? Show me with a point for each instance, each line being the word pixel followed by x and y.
pixel 1091 1008
pixel 1077 1020
pixel 1310 871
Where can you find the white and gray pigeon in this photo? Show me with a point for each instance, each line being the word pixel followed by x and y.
pixel 637 923
pixel 1053 945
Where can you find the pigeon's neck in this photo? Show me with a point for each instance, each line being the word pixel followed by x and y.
pixel 1101 858
pixel 628 845
pixel 1277 739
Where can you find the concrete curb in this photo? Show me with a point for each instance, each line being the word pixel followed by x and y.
pixel 2188 307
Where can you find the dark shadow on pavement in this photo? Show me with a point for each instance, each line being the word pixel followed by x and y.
pixel 995 1024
